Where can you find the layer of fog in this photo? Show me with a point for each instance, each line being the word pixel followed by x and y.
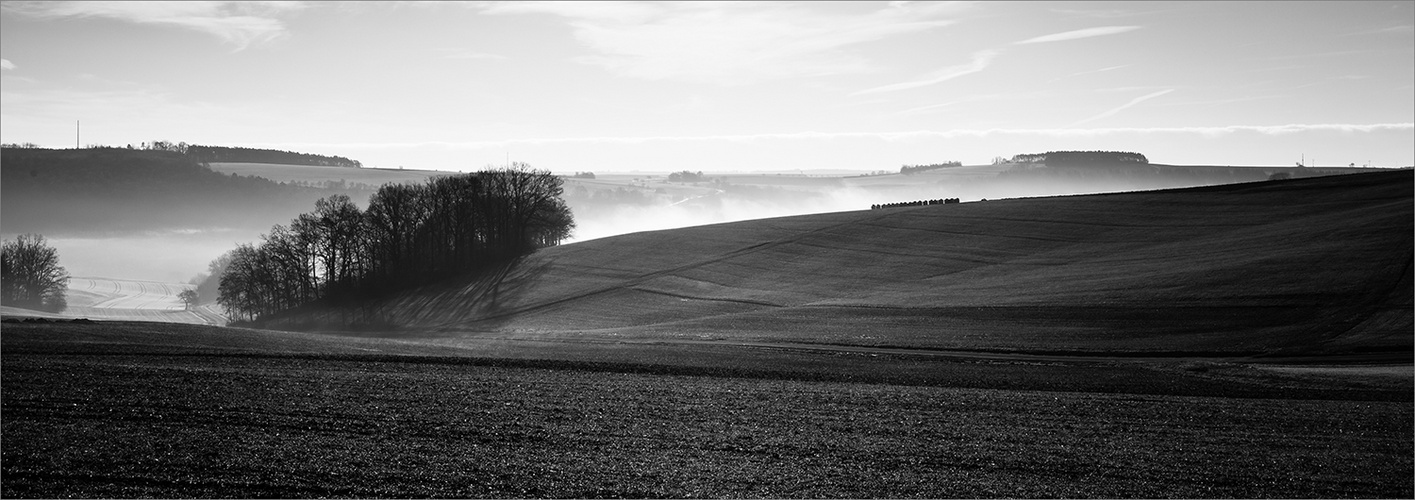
pixel 176 256
pixel 852 194
pixel 624 219
pixel 168 257
pixel 725 207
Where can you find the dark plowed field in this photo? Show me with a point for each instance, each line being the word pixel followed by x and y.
pixel 150 410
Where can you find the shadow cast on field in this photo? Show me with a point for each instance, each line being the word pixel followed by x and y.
pixel 477 301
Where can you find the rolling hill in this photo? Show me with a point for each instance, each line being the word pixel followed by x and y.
pixel 1306 266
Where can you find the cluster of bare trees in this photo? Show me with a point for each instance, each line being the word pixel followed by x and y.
pixel 1080 158
pixel 920 203
pixel 914 169
pixel 410 234
pixel 687 176
pixel 30 275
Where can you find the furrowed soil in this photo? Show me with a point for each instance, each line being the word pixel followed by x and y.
pixel 133 300
pixel 145 409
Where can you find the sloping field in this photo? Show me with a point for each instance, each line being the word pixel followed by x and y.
pixel 132 300
pixel 1295 267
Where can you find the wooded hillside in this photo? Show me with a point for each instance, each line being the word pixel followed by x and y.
pixel 253 155
pixel 118 189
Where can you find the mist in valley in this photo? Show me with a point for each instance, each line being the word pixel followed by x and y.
pixel 169 257
pixel 173 238
pixel 621 204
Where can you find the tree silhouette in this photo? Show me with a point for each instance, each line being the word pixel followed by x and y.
pixel 410 235
pixel 189 298
pixel 30 275
pixel 686 176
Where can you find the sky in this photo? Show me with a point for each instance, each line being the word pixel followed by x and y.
pixel 719 86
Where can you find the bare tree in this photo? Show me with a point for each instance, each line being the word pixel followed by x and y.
pixel 30 275
pixel 189 298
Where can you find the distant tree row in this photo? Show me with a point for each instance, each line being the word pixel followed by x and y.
pixel 175 147
pixel 250 155
pixel 914 169
pixel 1073 158
pixel 410 235
pixel 1081 158
pixel 686 176
pixel 583 175
pixel 1029 158
pixel 207 154
pixel 920 203
pixel 30 275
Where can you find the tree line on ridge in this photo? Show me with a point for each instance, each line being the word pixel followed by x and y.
pixel 1082 158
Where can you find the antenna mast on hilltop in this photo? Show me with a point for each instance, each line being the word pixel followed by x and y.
pixel 76 134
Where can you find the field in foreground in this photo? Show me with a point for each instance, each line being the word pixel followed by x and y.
pixel 146 409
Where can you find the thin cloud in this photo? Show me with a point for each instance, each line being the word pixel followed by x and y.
pixel 1010 96
pixel 468 54
pixel 1095 13
pixel 1091 72
pixel 930 108
pixel 1079 34
pixel 6 64
pixel 239 23
pixel 1322 55
pixel 1102 70
pixel 1125 106
pixel 731 43
pixel 981 60
pixel 1222 101
pixel 1393 30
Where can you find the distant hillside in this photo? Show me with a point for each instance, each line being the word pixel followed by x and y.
pixel 115 189
pixel 213 154
pixel 325 176
pixel 1286 266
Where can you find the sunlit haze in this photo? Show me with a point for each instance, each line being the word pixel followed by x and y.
pixel 714 86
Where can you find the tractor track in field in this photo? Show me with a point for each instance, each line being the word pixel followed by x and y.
pixel 1382 358
pixel 106 299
